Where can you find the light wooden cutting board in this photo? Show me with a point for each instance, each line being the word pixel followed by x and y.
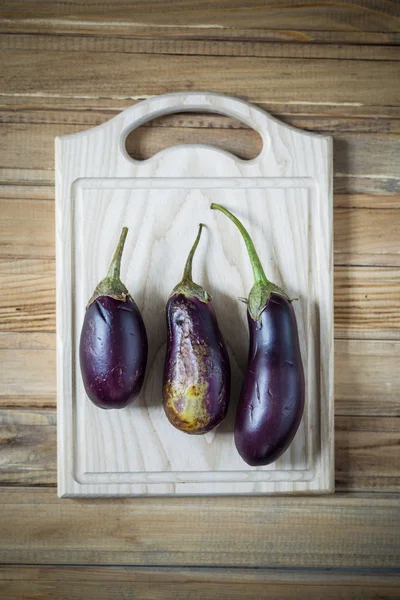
pixel 284 198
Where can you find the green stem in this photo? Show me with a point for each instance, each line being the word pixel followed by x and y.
pixel 262 287
pixel 258 271
pixel 114 270
pixel 112 285
pixel 187 273
pixel 186 285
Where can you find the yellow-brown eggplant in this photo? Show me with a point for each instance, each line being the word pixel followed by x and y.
pixel 196 383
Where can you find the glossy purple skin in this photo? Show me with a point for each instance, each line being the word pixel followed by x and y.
pixel 113 352
pixel 272 397
pixel 196 384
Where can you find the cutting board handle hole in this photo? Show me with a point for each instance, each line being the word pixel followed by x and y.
pixel 219 131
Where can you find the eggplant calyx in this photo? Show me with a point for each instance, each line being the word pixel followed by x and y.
pixel 259 296
pixel 187 286
pixel 112 285
pixel 191 289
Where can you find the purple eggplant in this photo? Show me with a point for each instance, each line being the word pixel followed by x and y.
pixel 113 344
pixel 196 383
pixel 272 398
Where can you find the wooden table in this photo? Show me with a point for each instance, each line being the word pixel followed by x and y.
pixel 335 69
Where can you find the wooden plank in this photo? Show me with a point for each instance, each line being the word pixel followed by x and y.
pixel 28 447
pixel 366 237
pixel 362 236
pixel 28 363
pixel 26 192
pixel 367 302
pixel 201 47
pixel 29 301
pixel 199 32
pixel 381 16
pixel 108 582
pixel 353 184
pixel 364 201
pixel 342 531
pixel 367 453
pixel 367 450
pixel 28 228
pixel 367 299
pixel 367 377
pixel 289 80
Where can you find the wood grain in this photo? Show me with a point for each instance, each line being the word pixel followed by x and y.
pixel 102 583
pixel 367 302
pixel 289 80
pixel 367 374
pixel 28 447
pixel 367 450
pixel 367 377
pixel 342 531
pixel 29 304
pixel 28 229
pixel 366 299
pixel 28 370
pixel 367 453
pixel 363 237
pixel 382 112
pixel 367 237
pixel 203 47
pixel 370 16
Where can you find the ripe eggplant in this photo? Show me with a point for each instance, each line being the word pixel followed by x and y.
pixel 272 398
pixel 196 382
pixel 113 344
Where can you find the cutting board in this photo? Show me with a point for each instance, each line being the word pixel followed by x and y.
pixel 284 198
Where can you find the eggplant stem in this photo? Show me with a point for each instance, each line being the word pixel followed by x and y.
pixel 258 271
pixel 186 285
pixel 114 270
pixel 187 273
pixel 112 285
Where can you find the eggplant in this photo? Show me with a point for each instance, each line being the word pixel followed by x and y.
pixel 113 343
pixel 196 382
pixel 271 402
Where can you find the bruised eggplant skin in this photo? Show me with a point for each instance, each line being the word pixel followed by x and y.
pixel 113 352
pixel 113 342
pixel 196 383
pixel 271 403
pixel 272 398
